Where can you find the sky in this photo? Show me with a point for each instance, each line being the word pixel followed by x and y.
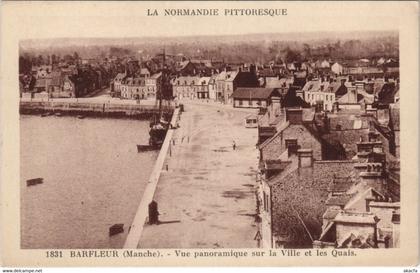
pixel 129 19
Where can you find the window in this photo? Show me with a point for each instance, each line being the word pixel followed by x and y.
pixel 291 146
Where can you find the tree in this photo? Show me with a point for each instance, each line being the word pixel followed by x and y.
pixel 75 56
pixel 289 55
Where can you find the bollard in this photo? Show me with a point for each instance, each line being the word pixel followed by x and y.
pixel 153 213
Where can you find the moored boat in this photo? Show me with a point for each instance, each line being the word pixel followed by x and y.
pixel 34 181
pixel 145 148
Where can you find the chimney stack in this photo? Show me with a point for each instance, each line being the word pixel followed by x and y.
pixel 371 174
pixel 305 158
pixel 275 106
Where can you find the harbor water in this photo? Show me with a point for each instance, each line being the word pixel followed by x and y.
pixel 93 178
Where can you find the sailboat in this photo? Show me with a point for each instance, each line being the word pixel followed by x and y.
pixel 159 125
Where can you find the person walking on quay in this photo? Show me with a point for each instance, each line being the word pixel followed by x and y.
pixel 234 145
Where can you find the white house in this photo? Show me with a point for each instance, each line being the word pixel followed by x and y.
pixel 337 68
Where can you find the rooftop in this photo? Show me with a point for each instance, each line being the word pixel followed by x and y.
pixel 254 93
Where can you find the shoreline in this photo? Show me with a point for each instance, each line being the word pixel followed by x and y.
pixel 136 228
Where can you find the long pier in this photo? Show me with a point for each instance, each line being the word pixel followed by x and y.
pixel 136 228
pixel 91 109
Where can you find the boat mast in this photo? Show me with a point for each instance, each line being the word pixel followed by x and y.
pixel 162 84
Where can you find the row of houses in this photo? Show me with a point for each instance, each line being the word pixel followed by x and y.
pixel 64 82
pixel 323 94
pixel 198 79
pixel 142 86
pixel 328 179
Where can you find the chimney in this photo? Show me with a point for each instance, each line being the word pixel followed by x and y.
pixel 294 116
pixel 305 158
pixel 275 106
pixel 371 175
pixel 253 69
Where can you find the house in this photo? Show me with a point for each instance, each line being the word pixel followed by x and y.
pixel 134 88
pixel 41 85
pixel 225 85
pixel 186 68
pixel 344 130
pixel 56 89
pixel 228 81
pixel 144 72
pixel 338 87
pixel 304 202
pixel 116 84
pixel 69 87
pixel 337 68
pixel 325 64
pixel 363 217
pixel 212 88
pixel 279 82
pixel 317 93
pixel 185 87
pixel 202 88
pixel 248 97
pixel 292 194
pixel 153 84
pixel 295 131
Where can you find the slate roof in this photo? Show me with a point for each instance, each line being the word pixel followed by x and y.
pixel 330 213
pixel 340 200
pixel 120 76
pixel 291 100
pixel 303 192
pixel 341 184
pixel 227 76
pixel 204 81
pixel 387 93
pixel 186 80
pixel 182 65
pixel 275 82
pixel 316 86
pixel 254 93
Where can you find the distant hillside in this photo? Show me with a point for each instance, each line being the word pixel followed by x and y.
pixel 290 37
pixel 256 48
